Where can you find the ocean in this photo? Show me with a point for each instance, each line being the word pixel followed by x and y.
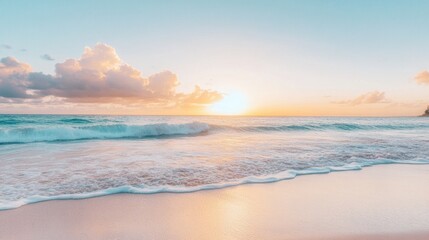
pixel 47 157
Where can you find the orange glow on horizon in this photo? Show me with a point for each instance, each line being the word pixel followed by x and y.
pixel 232 104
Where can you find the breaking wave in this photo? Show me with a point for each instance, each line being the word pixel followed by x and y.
pixel 114 131
pixel 84 129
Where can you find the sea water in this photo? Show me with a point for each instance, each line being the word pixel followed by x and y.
pixel 45 157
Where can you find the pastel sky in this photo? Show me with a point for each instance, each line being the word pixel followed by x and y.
pixel 303 57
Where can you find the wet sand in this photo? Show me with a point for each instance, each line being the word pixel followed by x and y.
pixel 380 202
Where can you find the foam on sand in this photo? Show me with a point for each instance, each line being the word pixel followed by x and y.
pixel 285 175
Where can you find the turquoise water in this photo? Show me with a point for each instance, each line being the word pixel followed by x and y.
pixel 45 157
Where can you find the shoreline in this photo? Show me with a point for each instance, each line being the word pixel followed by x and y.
pixel 279 177
pixel 342 205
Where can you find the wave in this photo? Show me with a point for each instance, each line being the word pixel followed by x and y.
pixel 12 121
pixel 84 129
pixel 322 127
pixel 285 175
pixel 23 120
pixel 75 120
pixel 114 131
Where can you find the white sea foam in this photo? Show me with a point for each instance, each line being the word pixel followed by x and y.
pixel 285 175
pixel 111 159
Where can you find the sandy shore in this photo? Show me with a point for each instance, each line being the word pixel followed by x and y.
pixel 381 202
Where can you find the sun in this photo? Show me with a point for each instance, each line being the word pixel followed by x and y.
pixel 232 104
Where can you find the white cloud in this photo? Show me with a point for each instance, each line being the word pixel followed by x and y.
pixel 13 78
pixel 366 98
pixel 98 75
pixel 422 78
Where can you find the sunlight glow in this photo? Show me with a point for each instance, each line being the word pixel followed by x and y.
pixel 232 104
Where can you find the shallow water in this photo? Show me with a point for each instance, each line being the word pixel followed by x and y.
pixel 45 157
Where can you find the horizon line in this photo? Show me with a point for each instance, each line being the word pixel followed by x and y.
pixel 210 115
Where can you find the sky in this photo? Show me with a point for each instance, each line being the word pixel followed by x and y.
pixel 292 58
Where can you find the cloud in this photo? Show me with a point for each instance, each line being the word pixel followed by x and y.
pixel 10 66
pixel 366 98
pixel 13 78
pixel 5 46
pixel 99 75
pixel 47 57
pixel 200 97
pixel 422 78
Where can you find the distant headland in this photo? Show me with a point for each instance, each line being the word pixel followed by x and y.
pixel 426 114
